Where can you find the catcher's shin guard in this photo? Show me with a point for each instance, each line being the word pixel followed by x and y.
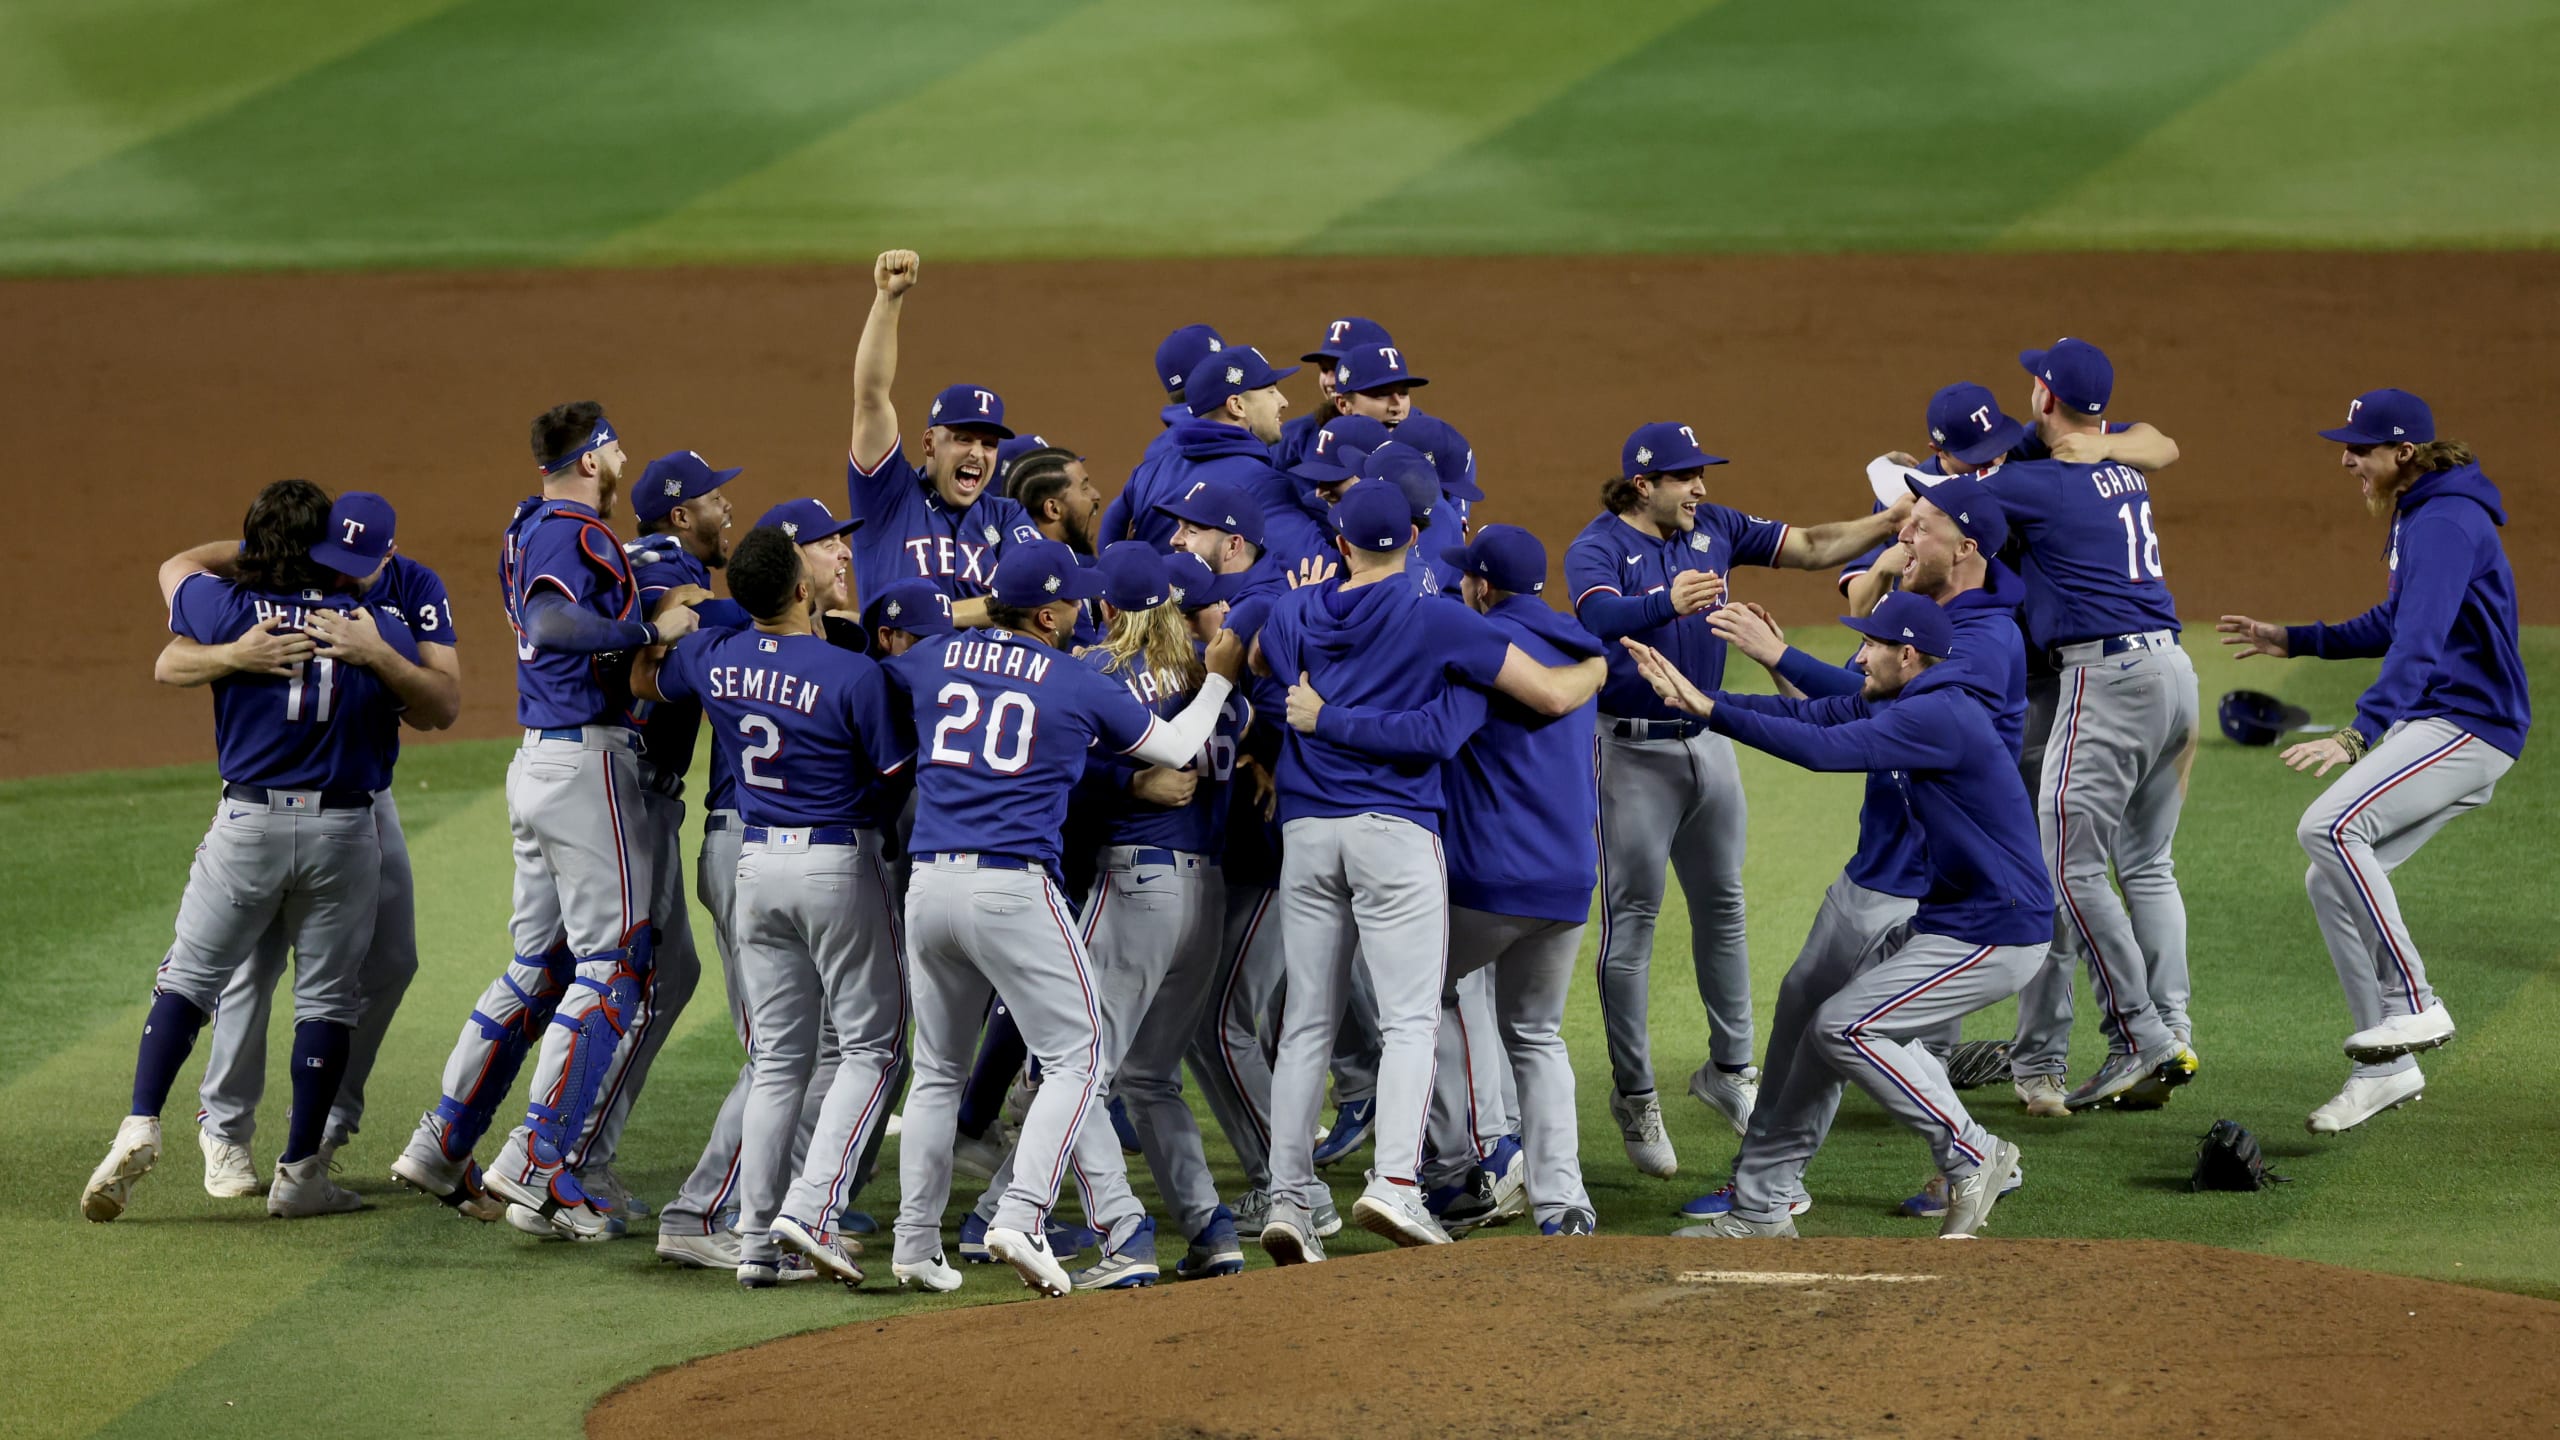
pixel 602 1005
pixel 495 1041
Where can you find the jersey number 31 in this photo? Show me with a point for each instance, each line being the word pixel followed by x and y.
pixel 1011 722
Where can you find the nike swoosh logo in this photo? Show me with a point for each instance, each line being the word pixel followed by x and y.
pixel 236 814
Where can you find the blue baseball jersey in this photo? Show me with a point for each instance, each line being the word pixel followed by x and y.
pixel 1002 725
pixel 907 530
pixel 560 545
pixel 2092 558
pixel 660 563
pixel 327 726
pixel 1200 826
pixel 1524 796
pixel 417 595
pixel 811 730
pixel 1620 579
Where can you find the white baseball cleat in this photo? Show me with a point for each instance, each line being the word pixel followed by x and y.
pixel 935 1274
pixel 1289 1236
pixel 1729 1226
pixel 303 1189
pixel 135 1151
pixel 715 1251
pixel 1397 1213
pixel 1639 1120
pixel 2042 1095
pixel 1731 1094
pixel 2365 1097
pixel 229 1173
pixel 1030 1258
pixel 1971 1195
pixel 2402 1035
pixel 820 1249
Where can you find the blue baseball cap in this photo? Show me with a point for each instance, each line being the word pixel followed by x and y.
pixel 1323 463
pixel 1372 367
pixel 1503 556
pixel 1231 371
pixel 1903 618
pixel 1037 572
pixel 1970 503
pixel 1447 450
pixel 359 535
pixel 2077 372
pixel 1661 447
pixel 1374 518
pixel 1008 451
pixel 1132 574
pixel 1182 352
pixel 1966 422
pixel 1217 505
pixel 2385 417
pixel 1191 584
pixel 915 605
pixel 969 407
pixel 1344 334
pixel 806 521
pixel 672 479
pixel 1409 471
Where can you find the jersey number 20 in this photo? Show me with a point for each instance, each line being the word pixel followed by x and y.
pixel 1011 722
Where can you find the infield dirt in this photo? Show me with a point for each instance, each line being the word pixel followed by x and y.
pixel 1660 1337
pixel 142 414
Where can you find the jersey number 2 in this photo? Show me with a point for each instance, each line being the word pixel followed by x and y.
pixel 962 709
pixel 2141 551
pixel 768 738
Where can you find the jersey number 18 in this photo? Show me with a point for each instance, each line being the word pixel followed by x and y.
pixel 2141 551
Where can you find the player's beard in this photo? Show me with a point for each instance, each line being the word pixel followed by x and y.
pixel 2381 497
pixel 607 485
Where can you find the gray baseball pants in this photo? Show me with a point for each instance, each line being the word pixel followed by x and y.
pixel 1528 964
pixel 1227 1054
pixel 1472 1106
pixel 2115 777
pixel 816 935
pixel 1374 886
pixel 2371 819
pixel 235 1066
pixel 1677 802
pixel 675 971
pixel 974 930
pixel 1799 1094
pixel 316 873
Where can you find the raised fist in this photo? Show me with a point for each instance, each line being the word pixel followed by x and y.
pixel 895 271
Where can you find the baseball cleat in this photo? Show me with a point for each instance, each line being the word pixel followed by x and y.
pixel 1350 1127
pixel 1030 1258
pixel 980 1156
pixel 1289 1238
pixel 824 1251
pixel 2365 1097
pixel 1464 1206
pixel 2041 1094
pixel 529 1221
pixel 1215 1251
pixel 1128 1265
pixel 2152 1091
pixel 1252 1211
pixel 135 1151
pixel 603 1184
pixel 1720 1202
pixel 1730 1226
pixel 1018 1097
pixel 857 1222
pixel 897 1123
pixel 973 1239
pixel 1931 1202
pixel 1508 1165
pixel 758 1274
pixel 1730 1093
pixel 1971 1195
pixel 1327 1220
pixel 715 1251
pixel 1639 1120
pixel 1397 1213
pixel 2122 1070
pixel 229 1173
pixel 423 1168
pixel 303 1188
pixel 933 1275
pixel 1576 1221
pixel 587 1221
pixel 2402 1035
pixel 794 1268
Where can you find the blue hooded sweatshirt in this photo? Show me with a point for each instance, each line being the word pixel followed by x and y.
pixel 1213 450
pixel 2446 628
pixel 1936 744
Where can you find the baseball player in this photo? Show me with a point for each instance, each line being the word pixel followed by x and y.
pixel 581 929
pixel 2114 773
pixel 2444 720
pixel 1003 721
pixel 1454 459
pixel 1375 380
pixel 1297 437
pixel 1669 788
pixel 293 836
pixel 1979 931
pixel 1955 531
pixel 815 739
pixel 938 520
pixel 1129 516
pixel 1236 407
pixel 236 1054
pixel 1361 866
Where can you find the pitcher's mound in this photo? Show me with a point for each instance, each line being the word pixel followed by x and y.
pixel 1642 1337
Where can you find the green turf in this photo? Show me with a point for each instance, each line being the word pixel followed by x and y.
pixel 199 1318
pixel 148 134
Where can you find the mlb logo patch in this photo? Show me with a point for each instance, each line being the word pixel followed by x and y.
pixel 297 802
pixel 769 646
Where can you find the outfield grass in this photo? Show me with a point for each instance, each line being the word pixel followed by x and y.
pixel 287 133
pixel 199 1317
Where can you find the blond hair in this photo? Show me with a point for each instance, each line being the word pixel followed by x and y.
pixel 1158 638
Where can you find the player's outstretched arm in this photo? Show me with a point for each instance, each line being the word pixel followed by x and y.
pixel 429 701
pixel 219 557
pixel 1821 547
pixel 1667 681
pixel 2140 445
pixel 1551 690
pixel 1867 589
pixel 875 358
pixel 262 649
pixel 2253 637
pixel 1174 743
pixel 1429 735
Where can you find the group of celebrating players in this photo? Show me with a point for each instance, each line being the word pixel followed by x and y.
pixel 1278 770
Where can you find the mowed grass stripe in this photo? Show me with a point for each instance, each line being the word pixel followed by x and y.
pixel 1881 124
pixel 80 80
pixel 1133 127
pixel 2384 125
